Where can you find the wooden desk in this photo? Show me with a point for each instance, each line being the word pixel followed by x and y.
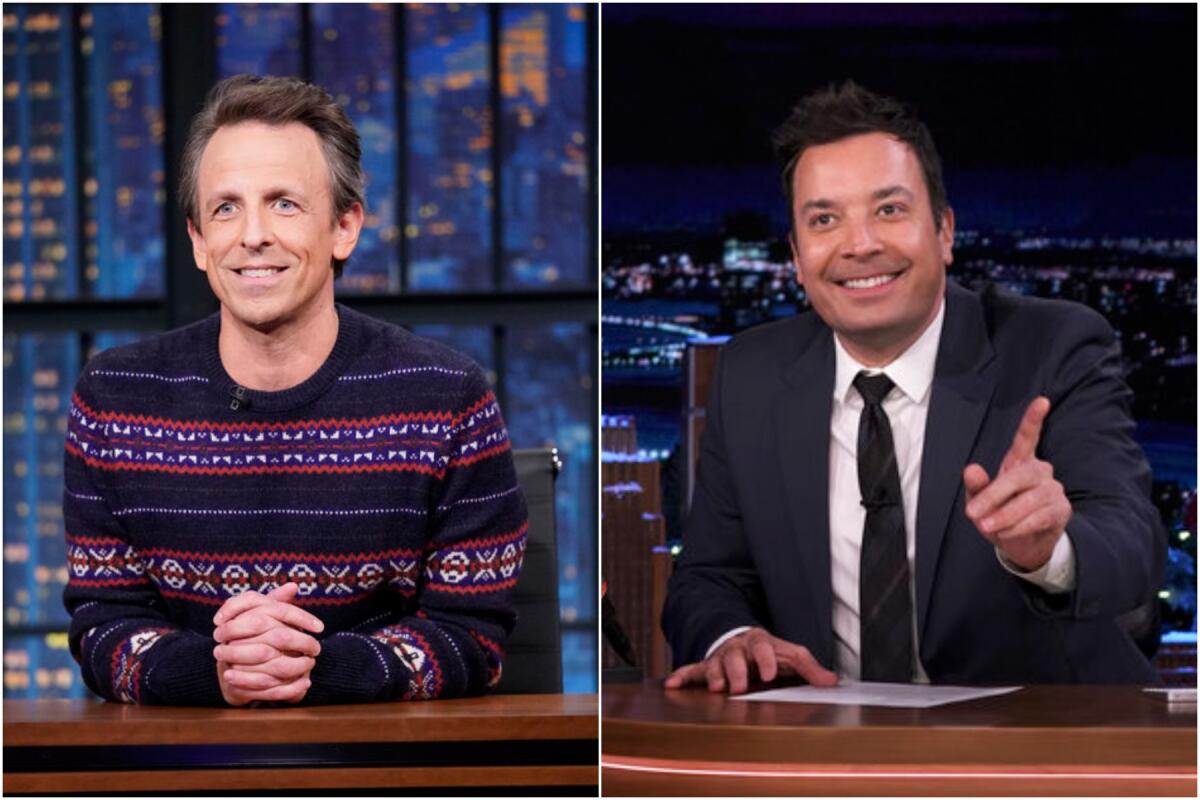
pixel 1041 740
pixel 527 744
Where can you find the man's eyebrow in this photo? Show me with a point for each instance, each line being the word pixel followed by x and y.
pixel 821 203
pixel 222 197
pixel 824 203
pixel 889 191
pixel 276 192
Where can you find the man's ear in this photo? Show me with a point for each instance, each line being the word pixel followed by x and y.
pixel 347 228
pixel 946 236
pixel 795 256
pixel 199 250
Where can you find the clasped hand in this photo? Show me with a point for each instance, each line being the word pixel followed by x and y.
pixel 263 652
pixel 1024 510
pixel 730 666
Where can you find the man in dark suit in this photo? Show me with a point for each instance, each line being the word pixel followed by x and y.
pixel 917 482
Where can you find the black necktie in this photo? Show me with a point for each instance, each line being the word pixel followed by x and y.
pixel 885 610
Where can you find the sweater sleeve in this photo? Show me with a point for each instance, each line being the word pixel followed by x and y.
pixel 452 644
pixel 127 647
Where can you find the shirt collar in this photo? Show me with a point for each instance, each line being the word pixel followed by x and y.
pixel 912 371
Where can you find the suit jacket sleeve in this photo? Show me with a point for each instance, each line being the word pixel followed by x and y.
pixel 715 587
pixel 1120 546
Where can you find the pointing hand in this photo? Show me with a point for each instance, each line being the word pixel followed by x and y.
pixel 1024 510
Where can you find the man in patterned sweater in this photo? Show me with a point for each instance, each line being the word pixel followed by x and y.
pixel 287 501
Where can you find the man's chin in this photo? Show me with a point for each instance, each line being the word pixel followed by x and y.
pixel 257 318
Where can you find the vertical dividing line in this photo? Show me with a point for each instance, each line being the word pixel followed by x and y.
pixel 500 361
pixel 494 37
pixel 83 141
pixel 593 112
pixel 499 332
pixel 189 70
pixel 594 365
pixel 400 87
pixel 593 134
pixel 84 339
pixel 306 42
pixel 593 254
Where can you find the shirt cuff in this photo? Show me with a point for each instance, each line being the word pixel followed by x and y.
pixel 723 638
pixel 1056 576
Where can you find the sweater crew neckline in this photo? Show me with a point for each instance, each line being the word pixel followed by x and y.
pixel 256 401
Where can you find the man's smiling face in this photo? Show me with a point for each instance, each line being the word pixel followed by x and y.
pixel 865 244
pixel 266 234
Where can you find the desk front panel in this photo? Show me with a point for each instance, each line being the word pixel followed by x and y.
pixel 509 744
pixel 1042 740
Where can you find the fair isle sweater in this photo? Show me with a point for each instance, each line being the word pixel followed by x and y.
pixel 383 485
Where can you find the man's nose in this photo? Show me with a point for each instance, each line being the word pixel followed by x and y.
pixel 861 239
pixel 258 233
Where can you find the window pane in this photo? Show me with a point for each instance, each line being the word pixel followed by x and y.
pixel 41 199
pixel 110 339
pixel 579 661
pixel 124 190
pixel 551 404
pixel 258 38
pixel 474 341
pixel 38 666
pixel 39 374
pixel 448 219
pixel 354 60
pixel 543 67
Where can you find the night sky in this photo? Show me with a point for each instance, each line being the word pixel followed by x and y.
pixel 1065 118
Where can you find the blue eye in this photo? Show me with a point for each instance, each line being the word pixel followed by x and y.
pixel 224 209
pixel 283 204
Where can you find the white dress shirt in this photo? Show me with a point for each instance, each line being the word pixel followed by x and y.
pixel 907 407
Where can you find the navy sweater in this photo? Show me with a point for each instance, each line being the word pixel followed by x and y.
pixel 383 485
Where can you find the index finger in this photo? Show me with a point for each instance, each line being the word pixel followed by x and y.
pixel 247 600
pixel 296 617
pixel 764 659
pixel 1025 442
pixel 237 604
pixel 688 673
pixel 291 616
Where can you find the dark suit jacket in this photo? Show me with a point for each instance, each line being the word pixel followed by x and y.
pixel 756 550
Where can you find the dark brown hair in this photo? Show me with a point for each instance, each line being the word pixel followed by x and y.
pixel 837 112
pixel 277 101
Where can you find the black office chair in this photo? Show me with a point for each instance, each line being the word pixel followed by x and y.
pixel 1144 626
pixel 533 654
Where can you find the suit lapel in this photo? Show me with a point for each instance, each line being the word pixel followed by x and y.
pixel 801 415
pixel 963 384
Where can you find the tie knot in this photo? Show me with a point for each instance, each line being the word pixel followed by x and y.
pixel 873 388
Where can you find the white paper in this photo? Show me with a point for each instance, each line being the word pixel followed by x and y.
pixel 895 695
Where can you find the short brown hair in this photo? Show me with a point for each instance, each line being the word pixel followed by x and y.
pixel 277 101
pixel 836 112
